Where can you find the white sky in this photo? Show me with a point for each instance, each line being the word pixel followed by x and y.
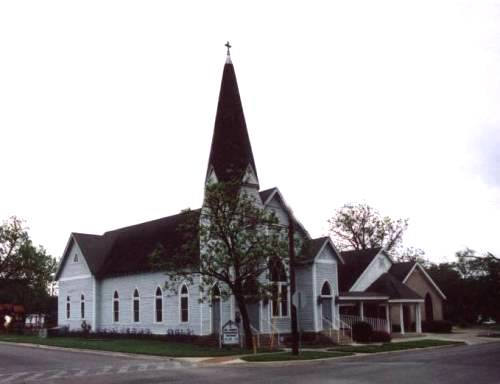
pixel 107 110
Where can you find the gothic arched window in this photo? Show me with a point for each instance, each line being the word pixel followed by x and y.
pixel 68 307
pixel 82 306
pixel 158 305
pixel 184 297
pixel 326 290
pixel 116 307
pixel 136 306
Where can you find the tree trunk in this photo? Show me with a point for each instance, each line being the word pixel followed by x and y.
pixel 246 320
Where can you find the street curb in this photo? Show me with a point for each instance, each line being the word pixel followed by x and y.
pixel 240 361
pixel 182 360
pixel 196 361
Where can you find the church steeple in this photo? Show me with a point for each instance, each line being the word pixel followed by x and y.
pixel 231 152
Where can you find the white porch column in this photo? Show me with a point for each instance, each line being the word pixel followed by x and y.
pixel 418 318
pixel 401 319
pixel 388 318
pixel 361 311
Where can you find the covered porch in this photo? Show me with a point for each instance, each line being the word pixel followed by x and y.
pixel 384 312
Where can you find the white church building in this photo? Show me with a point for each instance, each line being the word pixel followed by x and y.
pixel 107 281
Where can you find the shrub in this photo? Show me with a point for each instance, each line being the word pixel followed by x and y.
pixel 436 326
pixel 85 328
pixel 362 331
pixel 380 337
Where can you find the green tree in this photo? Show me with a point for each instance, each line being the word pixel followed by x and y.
pixel 25 270
pixel 414 255
pixel 232 245
pixel 359 226
pixel 482 274
pixel 471 285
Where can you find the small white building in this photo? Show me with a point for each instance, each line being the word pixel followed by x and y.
pixel 107 281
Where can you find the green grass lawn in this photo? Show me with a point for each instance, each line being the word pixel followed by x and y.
pixel 146 347
pixel 398 346
pixel 287 356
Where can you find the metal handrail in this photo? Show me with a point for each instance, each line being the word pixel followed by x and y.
pixel 256 332
pixel 273 329
pixel 343 326
pixel 377 323
pixel 331 325
pixel 341 329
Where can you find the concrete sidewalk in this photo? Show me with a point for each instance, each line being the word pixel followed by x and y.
pixel 470 336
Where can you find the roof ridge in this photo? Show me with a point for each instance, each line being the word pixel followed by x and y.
pixel 152 221
pixel 85 234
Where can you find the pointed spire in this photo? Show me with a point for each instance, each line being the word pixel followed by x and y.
pixel 231 152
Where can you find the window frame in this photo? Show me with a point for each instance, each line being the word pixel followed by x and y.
pixel 82 306
pixel 156 298
pixel 181 297
pixel 138 300
pixel 68 307
pixel 279 285
pixel 115 299
pixel 326 283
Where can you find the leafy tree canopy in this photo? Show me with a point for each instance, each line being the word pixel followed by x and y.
pixel 471 284
pixel 232 244
pixel 25 270
pixel 359 226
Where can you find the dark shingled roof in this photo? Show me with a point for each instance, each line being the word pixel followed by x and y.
pixel 133 246
pixel 127 250
pixel 355 262
pixel 94 248
pixel 231 152
pixel 311 249
pixel 392 287
pixel 401 270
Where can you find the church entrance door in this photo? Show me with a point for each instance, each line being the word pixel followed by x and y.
pixel 326 309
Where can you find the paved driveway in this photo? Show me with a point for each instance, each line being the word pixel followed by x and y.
pixel 477 364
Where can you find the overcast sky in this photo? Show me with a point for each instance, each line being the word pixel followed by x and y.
pixel 107 110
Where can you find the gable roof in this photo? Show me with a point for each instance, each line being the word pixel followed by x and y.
pixel 269 194
pixel 355 262
pixel 426 275
pixel 266 194
pixel 231 152
pixel 127 250
pixel 401 270
pixel 313 247
pixel 94 249
pixel 392 287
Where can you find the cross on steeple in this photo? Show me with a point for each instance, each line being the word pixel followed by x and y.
pixel 228 46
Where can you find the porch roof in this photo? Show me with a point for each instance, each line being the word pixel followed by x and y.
pixel 362 296
pixel 392 287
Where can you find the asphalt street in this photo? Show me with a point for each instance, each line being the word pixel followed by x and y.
pixel 475 364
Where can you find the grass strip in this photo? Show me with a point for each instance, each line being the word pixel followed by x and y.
pixel 397 346
pixel 287 356
pixel 138 346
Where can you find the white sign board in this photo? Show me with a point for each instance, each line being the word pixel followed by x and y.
pixel 230 333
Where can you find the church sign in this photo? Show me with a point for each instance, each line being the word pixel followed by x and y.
pixel 230 333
